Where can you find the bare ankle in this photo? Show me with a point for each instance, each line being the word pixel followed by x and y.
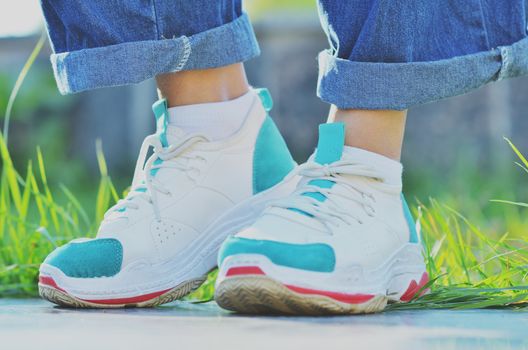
pixel 203 86
pixel 378 131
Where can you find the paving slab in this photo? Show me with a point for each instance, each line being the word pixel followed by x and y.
pixel 36 324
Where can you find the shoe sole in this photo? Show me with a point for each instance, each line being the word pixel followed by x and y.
pixel 60 297
pixel 252 284
pixel 264 295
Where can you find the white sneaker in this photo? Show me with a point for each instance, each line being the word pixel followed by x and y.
pixel 159 243
pixel 343 242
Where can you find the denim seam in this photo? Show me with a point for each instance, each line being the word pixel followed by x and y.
pixel 506 63
pixel 187 49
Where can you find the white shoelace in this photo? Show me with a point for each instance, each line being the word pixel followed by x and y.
pixel 145 186
pixel 329 211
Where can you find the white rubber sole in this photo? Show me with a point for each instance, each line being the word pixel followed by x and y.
pixel 143 284
pixel 253 284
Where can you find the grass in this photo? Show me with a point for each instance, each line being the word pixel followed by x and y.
pixel 471 267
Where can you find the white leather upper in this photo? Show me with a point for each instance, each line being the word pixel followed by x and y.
pixel 372 227
pixel 218 175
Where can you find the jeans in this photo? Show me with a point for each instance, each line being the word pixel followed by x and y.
pixel 384 54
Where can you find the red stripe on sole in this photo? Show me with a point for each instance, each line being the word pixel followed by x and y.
pixel 414 287
pixel 130 300
pixel 342 297
pixel 244 270
pixel 50 282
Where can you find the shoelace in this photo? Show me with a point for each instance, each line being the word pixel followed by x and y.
pixel 329 211
pixel 145 186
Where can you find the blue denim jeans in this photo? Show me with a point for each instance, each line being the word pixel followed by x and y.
pixel 384 54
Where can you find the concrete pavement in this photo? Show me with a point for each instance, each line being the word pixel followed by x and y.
pixel 36 324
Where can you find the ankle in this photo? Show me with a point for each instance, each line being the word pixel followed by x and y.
pixel 377 131
pixel 203 86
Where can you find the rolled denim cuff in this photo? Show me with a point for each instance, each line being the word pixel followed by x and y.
pixel 398 86
pixel 134 62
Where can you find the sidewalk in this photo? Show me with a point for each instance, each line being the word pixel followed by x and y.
pixel 35 324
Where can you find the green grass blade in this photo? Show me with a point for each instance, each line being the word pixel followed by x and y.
pixel 76 204
pixel 519 204
pixel 20 79
pixel 517 152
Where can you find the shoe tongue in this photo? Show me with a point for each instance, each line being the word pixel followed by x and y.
pixel 162 116
pixel 167 133
pixel 331 143
pixel 329 150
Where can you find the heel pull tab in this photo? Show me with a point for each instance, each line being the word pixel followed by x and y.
pixel 331 143
pixel 265 98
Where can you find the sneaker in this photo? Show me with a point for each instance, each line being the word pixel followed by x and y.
pixel 343 242
pixel 158 244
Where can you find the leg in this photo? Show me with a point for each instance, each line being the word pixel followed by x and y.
pixel 345 241
pixel 378 131
pixel 378 62
pixel 91 49
pixel 204 85
pixel 217 155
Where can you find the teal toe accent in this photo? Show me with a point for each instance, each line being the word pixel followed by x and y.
pixel 272 160
pixel 316 257
pixel 89 259
pixel 413 237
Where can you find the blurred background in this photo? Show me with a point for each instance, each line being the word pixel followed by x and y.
pixel 454 149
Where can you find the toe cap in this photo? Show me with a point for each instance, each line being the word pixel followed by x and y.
pixel 88 259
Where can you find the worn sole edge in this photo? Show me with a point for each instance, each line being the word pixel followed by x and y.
pixel 62 298
pixel 259 294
